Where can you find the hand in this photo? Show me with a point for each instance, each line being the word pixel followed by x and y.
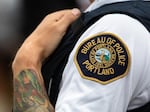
pixel 51 30
pixel 44 39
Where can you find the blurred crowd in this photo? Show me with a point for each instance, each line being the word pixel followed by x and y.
pixel 18 18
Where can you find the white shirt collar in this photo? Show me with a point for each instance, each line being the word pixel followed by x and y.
pixel 98 3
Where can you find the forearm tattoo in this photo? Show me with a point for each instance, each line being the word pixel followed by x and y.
pixel 29 95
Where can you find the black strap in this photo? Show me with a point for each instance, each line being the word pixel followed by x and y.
pixel 55 64
pixel 145 108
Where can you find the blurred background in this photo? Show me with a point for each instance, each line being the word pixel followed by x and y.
pixel 18 18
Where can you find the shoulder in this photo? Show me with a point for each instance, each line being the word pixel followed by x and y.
pixel 120 36
pixel 125 27
pixel 118 23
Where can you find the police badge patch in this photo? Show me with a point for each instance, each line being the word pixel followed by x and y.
pixel 103 58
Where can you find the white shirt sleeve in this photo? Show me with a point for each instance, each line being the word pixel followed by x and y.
pixel 79 94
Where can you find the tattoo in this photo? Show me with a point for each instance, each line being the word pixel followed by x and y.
pixel 29 95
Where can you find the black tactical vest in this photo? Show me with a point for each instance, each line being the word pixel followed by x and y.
pixel 55 64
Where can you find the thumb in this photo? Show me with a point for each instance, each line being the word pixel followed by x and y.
pixel 69 17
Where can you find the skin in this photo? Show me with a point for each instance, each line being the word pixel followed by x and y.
pixel 29 91
pixel 91 1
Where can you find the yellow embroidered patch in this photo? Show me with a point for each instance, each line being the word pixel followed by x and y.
pixel 103 58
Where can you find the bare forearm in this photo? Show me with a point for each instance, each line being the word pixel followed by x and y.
pixel 29 93
pixel 29 90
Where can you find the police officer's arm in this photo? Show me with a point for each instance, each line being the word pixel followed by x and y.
pixel 29 91
pixel 119 86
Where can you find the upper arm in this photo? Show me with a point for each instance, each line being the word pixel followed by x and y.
pixel 133 40
pixel 104 69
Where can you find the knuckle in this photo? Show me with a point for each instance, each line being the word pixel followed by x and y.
pixel 48 16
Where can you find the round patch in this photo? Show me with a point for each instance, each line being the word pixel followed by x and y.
pixel 103 58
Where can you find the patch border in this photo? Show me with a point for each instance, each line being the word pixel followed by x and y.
pixel 97 80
